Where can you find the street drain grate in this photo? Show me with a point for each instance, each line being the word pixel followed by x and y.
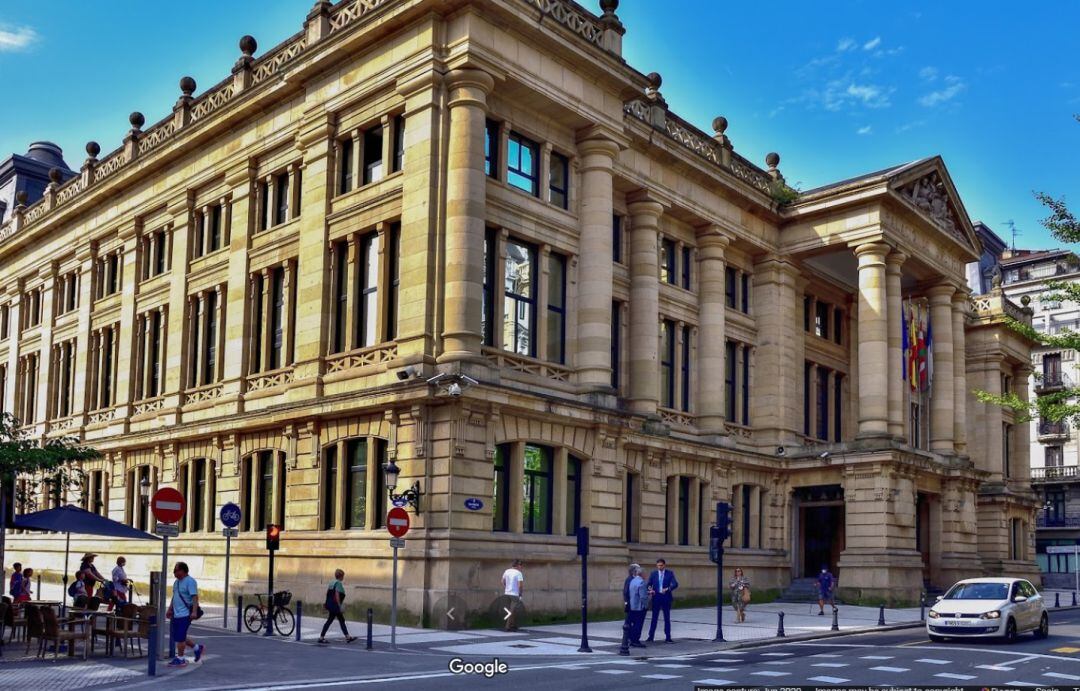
pixel 522 645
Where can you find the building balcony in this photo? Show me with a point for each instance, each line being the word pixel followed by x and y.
pixel 1053 431
pixel 1045 520
pixel 1052 382
pixel 1056 473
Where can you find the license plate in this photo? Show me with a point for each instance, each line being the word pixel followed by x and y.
pixel 955 622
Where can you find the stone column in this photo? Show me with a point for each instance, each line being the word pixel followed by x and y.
pixel 516 473
pixel 941 391
pixel 558 502
pixel 873 341
pixel 894 370
pixel 644 337
pixel 1020 459
pixel 264 309
pixel 712 341
pixel 693 532
pixel 959 319
pixel 466 192
pixel 593 359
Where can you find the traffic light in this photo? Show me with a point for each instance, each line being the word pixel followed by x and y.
pixel 723 521
pixel 715 544
pixel 273 537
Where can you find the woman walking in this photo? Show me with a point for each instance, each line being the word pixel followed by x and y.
pixel 335 595
pixel 740 595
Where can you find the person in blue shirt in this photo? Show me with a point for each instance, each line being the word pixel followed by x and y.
pixel 826 585
pixel 638 603
pixel 15 585
pixel 662 584
pixel 183 609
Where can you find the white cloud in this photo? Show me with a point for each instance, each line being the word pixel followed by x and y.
pixel 16 38
pixel 928 74
pixel 953 86
pixel 845 44
pixel 864 130
pixel 870 95
pixel 872 43
pixel 907 126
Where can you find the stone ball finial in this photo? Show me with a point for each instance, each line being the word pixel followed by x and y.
pixel 1025 300
pixel 772 159
pixel 93 149
pixel 54 175
pixel 719 124
pixel 609 6
pixel 137 120
pixel 187 85
pixel 20 197
pixel 655 80
pixel 248 45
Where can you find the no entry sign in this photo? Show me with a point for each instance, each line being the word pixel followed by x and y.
pixel 167 505
pixel 397 522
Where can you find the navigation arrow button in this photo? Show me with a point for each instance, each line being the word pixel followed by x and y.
pixel 450 614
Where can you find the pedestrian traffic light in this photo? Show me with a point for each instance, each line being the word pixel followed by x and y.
pixel 273 537
pixel 723 521
pixel 716 545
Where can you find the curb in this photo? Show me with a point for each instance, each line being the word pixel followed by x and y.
pixel 798 638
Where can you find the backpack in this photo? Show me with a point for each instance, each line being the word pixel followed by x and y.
pixel 330 605
pixel 73 589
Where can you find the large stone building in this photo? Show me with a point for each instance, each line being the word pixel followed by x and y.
pixel 251 300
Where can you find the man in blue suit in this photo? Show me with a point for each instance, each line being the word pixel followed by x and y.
pixel 662 584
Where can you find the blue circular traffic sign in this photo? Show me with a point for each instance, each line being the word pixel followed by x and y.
pixel 230 515
pixel 473 504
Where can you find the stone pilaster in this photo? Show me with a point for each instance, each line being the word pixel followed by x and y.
pixel 960 389
pixel 644 338
pixel 711 318
pixel 595 270
pixel 873 341
pixel 1020 459
pixel 893 263
pixel 776 406
pixel 941 387
pixel 466 192
pixel 240 211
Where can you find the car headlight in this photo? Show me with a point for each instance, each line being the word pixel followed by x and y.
pixel 991 615
pixel 933 615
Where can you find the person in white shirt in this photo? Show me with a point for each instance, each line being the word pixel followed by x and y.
pixel 119 582
pixel 513 583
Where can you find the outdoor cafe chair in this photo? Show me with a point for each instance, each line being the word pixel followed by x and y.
pixel 35 627
pixel 123 627
pixel 54 633
pixel 15 618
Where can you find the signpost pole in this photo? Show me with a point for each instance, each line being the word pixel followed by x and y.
pixel 270 601
pixel 583 550
pixel 720 596
pixel 1076 566
pixel 161 594
pixel 393 605
pixel 228 553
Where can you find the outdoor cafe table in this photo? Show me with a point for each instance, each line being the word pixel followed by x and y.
pixel 94 616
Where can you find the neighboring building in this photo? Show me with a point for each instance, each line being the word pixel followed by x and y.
pixel 1055 451
pixel 252 299
pixel 982 275
pixel 30 174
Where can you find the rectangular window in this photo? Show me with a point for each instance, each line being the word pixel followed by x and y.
pixel 807 368
pixel 356 484
pixel 368 321
pixel 559 181
pixel 822 403
pixel 522 164
pixel 1052 369
pixel 686 254
pixel 330 483
pixel 197 249
pixel 667 261
pixel 838 325
pixel 487 301
pixel 277 317
pixel 573 495
pixel 98 506
pixel 729 381
pixel 616 343
pixel 281 197
pixel 114 274
pixel 838 416
pixel 159 252
pixel 745 385
pixel 821 320
pixel 397 146
pixel 5 316
pixel 1055 456
pixel 210 343
pixel 265 489
pixel 393 256
pixel 519 303
pixel 667 364
pixel 747 493
pixel 107 369
pixel 1006 449
pixel 341 295
pixel 373 163
pixel 500 518
pixel 629 517
pixel 556 317
pixel 537 490
pixel 144 502
pixel 198 495
pixel 806 314
pixel 684 510
pixel 491 149
pixel 746 294
pixel 684 368
pixel 730 286
pixel 215 228
pixel 345 165
pixel 267 204
pixel 154 356
pixel 381 448
pixel 616 239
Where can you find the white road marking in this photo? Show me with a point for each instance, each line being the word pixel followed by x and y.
pixel 995 668
pixel 827 655
pixel 777 662
pixel 829 664
pixel 777 654
pixel 876 657
pixel 661 677
pixel 1059 675
pixel 950 675
pixel 613 671
pixel 770 673
pixel 830 680
pixel 890 669
pixel 933 661
pixel 713 682
pixel 672 666
pixel 1020 683
pixel 720 669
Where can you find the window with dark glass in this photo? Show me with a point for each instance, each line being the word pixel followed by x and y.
pixel 746 294
pixel 277 316
pixel 629 516
pixel 491 149
pixel 281 194
pixel 345 165
pixel 210 342
pixel 573 495
pixel 616 238
pixel 838 417
pixel 821 320
pixel 356 483
pixel 745 385
pixel 729 381
pixel 667 364
pixel 500 516
pixel 747 493
pixel 838 325
pixel 822 403
pixel 215 228
pixel 113 274
pixel 340 303
pixel 616 342
pixel 556 317
pixel 379 491
pixel 1055 456
pixel 519 302
pixel 730 286
pixel 144 502
pixel 154 356
pixel 806 313
pixel 247 518
pixel 393 257
pixel 559 180
pixel 487 302
pixel 537 489
pixel 372 149
pixel 1006 449
pixel 1055 506
pixel 265 489
pixel 266 205
pixel 198 494
pixel 807 369
pixel 330 483
pixel 686 253
pixel 667 261
pixel 397 146
pixel 1052 369
pixel 98 502
pixel 522 164
pixel 684 373
pixel 684 510
pixel 5 316
pixel 367 323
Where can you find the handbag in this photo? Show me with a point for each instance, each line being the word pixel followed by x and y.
pixel 198 613
pixel 745 596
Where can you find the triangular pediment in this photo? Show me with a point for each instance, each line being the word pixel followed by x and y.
pixel 927 189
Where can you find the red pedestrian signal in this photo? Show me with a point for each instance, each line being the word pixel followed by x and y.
pixel 273 537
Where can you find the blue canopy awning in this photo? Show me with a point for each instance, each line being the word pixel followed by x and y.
pixel 72 519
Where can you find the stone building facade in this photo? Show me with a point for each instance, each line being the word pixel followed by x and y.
pixel 251 300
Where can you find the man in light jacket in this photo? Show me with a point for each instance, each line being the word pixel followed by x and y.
pixel 639 603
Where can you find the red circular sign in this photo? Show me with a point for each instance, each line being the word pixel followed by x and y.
pixel 397 521
pixel 167 505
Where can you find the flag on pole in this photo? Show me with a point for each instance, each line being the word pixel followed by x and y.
pixel 904 358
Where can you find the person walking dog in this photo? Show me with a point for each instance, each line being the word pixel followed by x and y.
pixel 335 596
pixel 740 595
pixel 662 583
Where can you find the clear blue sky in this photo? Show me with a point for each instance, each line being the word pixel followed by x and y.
pixel 838 89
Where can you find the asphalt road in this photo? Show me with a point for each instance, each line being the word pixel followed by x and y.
pixel 903 657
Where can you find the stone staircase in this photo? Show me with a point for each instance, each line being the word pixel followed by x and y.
pixel 800 590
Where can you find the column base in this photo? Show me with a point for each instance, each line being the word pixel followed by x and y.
pixel 459 356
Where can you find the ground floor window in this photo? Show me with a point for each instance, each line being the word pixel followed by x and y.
pixel 353 484
pixel 262 494
pixel 537 489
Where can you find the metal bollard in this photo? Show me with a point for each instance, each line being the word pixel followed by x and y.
pixel 239 611
pixel 881 616
pixel 922 606
pixel 152 648
pixel 780 625
pixel 299 618
pixel 624 647
pixel 835 619
pixel 1057 599
pixel 38 591
pixel 1074 599
pixel 370 616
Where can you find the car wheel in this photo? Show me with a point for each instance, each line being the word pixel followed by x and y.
pixel 937 639
pixel 1044 627
pixel 1010 631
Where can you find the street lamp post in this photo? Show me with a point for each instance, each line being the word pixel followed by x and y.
pixel 410 496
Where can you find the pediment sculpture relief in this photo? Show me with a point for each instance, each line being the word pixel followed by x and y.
pixel 929 194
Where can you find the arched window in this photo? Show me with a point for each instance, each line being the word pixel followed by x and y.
pixel 353 484
pixel 262 489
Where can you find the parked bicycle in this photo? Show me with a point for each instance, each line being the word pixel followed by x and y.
pixel 284 622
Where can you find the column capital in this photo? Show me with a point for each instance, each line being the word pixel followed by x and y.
pixel 714 237
pixel 941 293
pixel 644 203
pixel 962 296
pixel 894 260
pixel 599 145
pixel 872 251
pixel 469 87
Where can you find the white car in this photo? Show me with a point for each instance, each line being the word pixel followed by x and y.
pixel 988 607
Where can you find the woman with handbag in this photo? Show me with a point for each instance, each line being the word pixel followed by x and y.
pixel 740 595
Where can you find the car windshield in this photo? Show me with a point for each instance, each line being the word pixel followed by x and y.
pixel 978 591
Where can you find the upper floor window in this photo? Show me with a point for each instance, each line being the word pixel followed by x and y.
pixel 687 253
pixel 821 319
pixel 372 153
pixel 1055 456
pixel 616 343
pixel 107 269
pixel 667 261
pixel 104 353
pixel 206 315
pixel 838 325
pixel 365 288
pixel 745 305
pixel 616 239
pixel 491 149
pixel 279 197
pixel 684 371
pixel 208 232
pixel 5 321
pixel 346 155
pixel 667 364
pixel 67 292
pixel 273 305
pixel 731 277
pixel 31 308
pixel 519 298
pixel 522 165
pixel 556 316
pixel 559 180
pixel 397 145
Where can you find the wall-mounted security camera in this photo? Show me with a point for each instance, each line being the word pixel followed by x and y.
pixel 453 389
pixel 410 372
pixel 824 455
pixel 780 451
pixel 452 384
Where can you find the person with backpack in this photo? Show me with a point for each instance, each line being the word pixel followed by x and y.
pixel 184 609
pixel 77 588
pixel 335 596
pixel 15 584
